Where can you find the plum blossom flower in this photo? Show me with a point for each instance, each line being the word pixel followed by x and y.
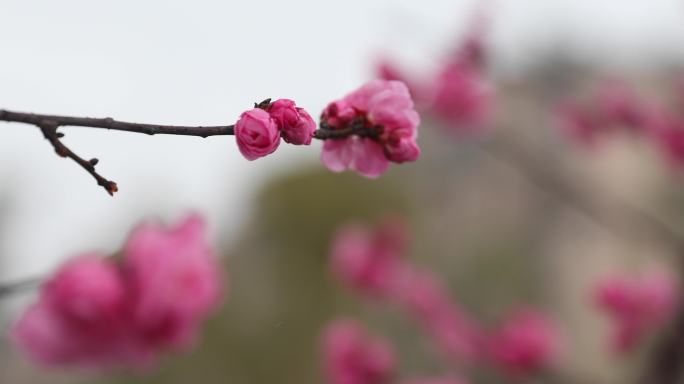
pixel 668 133
pixel 367 259
pixel 637 306
pixel 461 97
pixel 295 124
pixel 79 317
pixel 384 109
pixel 102 314
pixel 526 342
pixel 578 123
pixel 618 105
pixel 351 356
pixel 257 134
pixel 174 282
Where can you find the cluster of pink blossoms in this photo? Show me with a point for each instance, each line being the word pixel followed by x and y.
pixel 385 121
pixel 99 313
pixel 259 130
pixel 371 262
pixel 637 306
pixel 458 94
pixel 615 107
pixel 377 122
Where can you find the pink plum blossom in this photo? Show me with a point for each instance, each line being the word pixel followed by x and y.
pixel 98 313
pixel 618 105
pixel 257 134
pixel 384 109
pixel 578 123
pixel 668 134
pixel 637 306
pixel 174 281
pixel 527 342
pixel 79 317
pixel 351 356
pixel 461 97
pixel 295 124
pixel 367 259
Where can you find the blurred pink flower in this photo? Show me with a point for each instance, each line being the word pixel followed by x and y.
pixel 637 306
pixel 353 357
pixel 386 109
pixel 618 105
pixel 257 134
pixel 174 281
pixel 367 259
pixel 461 97
pixel 579 123
pixel 79 318
pixel 526 343
pixel 668 133
pixel 96 313
pixel 295 124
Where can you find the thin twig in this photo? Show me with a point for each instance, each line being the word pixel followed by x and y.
pixel 51 134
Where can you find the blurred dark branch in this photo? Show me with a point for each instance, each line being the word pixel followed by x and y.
pixel 665 365
pixel 49 124
pixel 8 289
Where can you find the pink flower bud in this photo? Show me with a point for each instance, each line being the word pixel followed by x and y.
pixel 385 109
pixel 353 357
pixel 296 125
pixel 257 134
pixel 526 343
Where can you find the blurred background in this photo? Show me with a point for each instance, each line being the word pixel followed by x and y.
pixel 495 236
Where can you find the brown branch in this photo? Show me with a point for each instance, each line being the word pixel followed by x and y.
pixel 51 134
pixel 49 124
pixel 109 123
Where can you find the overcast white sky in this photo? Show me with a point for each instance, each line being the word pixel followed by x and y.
pixel 203 62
